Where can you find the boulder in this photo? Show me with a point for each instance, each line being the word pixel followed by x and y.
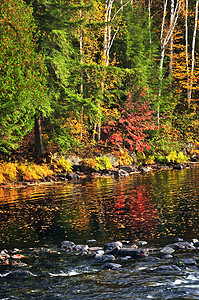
pixel 196 244
pixel 99 253
pixel 113 159
pixel 193 241
pixel 72 176
pixel 167 251
pixel 74 160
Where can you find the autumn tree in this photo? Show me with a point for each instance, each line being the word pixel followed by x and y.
pixel 131 123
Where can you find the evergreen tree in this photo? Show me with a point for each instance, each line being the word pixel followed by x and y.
pixel 23 97
pixel 140 50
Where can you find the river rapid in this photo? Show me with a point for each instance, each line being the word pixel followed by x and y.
pixel 155 207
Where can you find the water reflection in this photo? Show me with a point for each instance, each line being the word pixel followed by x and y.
pixel 154 206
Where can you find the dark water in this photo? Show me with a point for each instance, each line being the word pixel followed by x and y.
pixel 155 207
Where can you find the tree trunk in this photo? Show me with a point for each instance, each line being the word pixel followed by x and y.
pixel 81 85
pixel 171 47
pixel 164 41
pixel 38 138
pixel 193 51
pixel 186 46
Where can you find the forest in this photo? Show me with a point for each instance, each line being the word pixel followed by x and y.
pixel 99 76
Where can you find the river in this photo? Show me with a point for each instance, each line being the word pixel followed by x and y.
pixel 154 207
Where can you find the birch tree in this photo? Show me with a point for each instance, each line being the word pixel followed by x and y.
pixel 110 21
pixel 165 36
pixel 171 45
pixel 192 54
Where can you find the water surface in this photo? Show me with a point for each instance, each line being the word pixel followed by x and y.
pixel 155 207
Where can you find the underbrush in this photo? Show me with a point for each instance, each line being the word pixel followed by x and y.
pixel 16 172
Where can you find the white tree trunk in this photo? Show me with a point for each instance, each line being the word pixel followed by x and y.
pixel 186 49
pixel 81 84
pixel 171 46
pixel 149 16
pixel 193 51
pixel 164 39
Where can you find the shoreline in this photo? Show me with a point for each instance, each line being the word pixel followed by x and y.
pixel 118 172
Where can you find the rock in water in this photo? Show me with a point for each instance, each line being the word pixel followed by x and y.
pixel 134 253
pixel 68 245
pixel 111 246
pixel 112 266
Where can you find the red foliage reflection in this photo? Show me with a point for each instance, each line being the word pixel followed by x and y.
pixel 133 211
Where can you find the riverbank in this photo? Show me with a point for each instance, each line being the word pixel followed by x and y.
pixel 18 175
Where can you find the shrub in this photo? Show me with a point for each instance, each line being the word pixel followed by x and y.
pixel 160 158
pixel 90 163
pixel 98 163
pixel 104 162
pixel 176 157
pixel 33 172
pixel 150 160
pixel 123 157
pixel 9 171
pixel 64 164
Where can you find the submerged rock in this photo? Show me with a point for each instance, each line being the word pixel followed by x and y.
pixel 134 253
pixel 168 256
pixel 168 268
pixel 140 243
pixel 177 239
pixel 187 262
pixel 104 258
pixel 16 273
pixel 68 245
pixel 112 266
pixel 181 246
pixel 92 241
pixel 81 248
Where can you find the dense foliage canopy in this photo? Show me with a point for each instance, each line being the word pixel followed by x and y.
pixel 100 72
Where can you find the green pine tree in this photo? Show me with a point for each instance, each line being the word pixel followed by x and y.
pixel 23 97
